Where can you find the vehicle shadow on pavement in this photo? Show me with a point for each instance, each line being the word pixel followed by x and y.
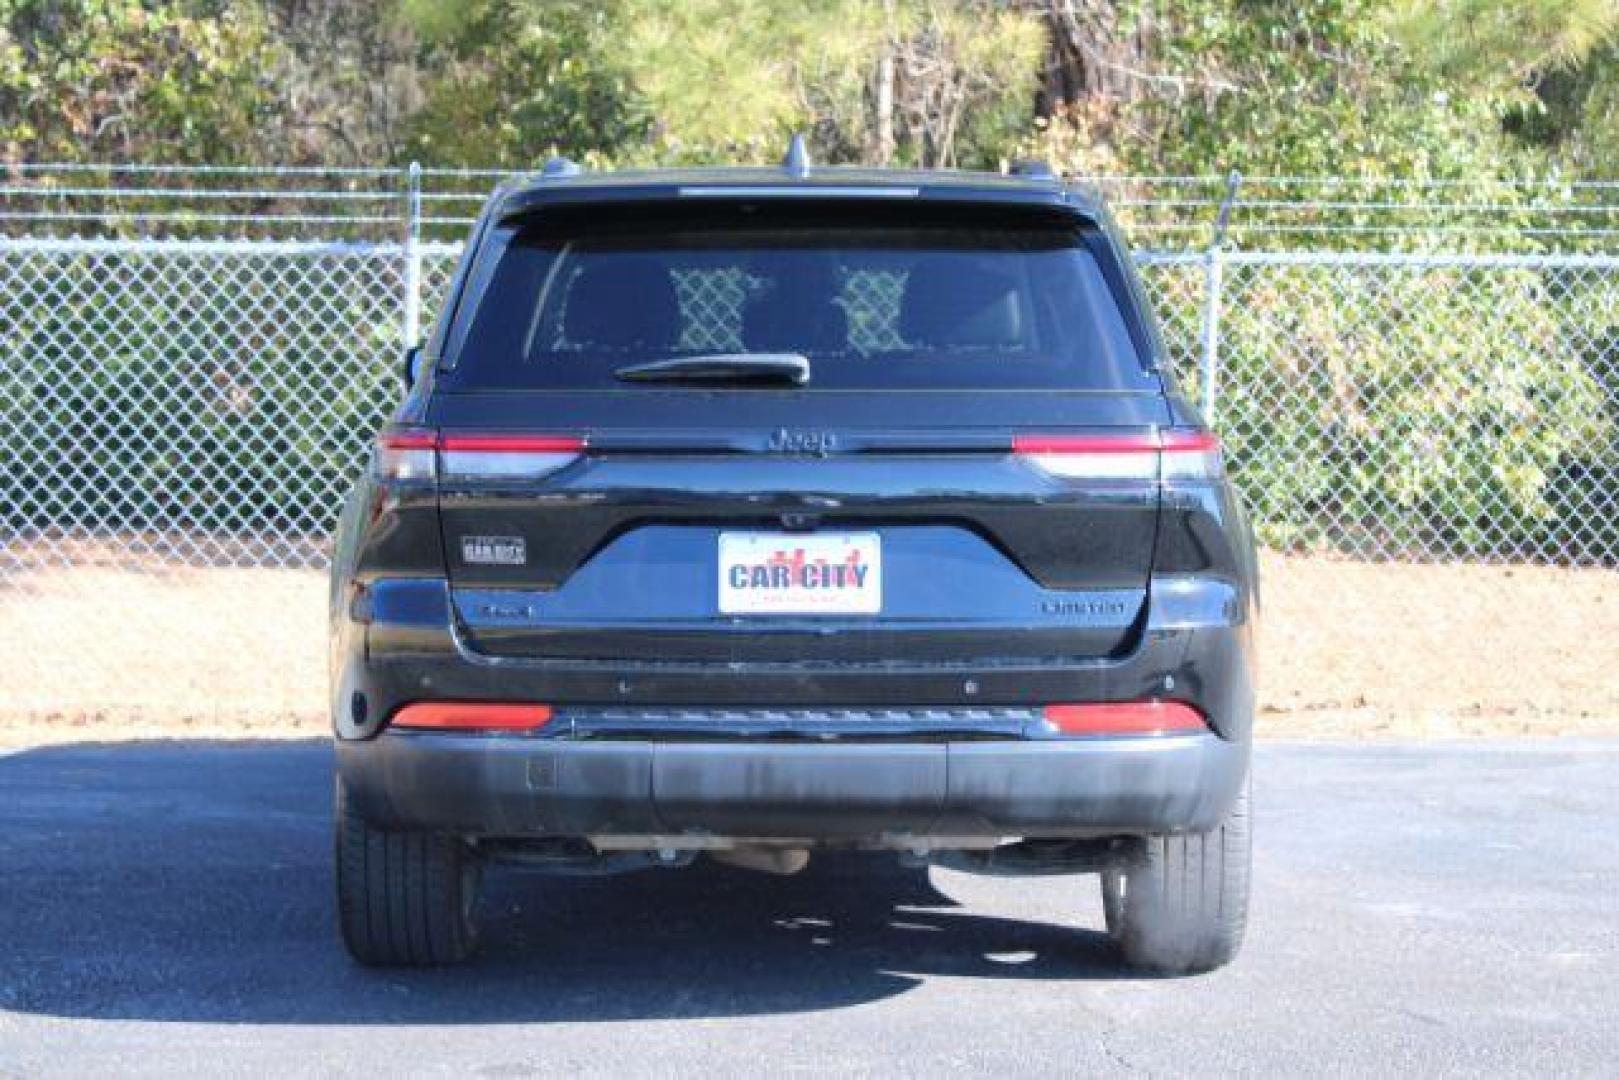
pixel 192 882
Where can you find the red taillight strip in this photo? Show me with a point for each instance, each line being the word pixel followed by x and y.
pixel 1126 718
pixel 1171 454
pixel 408 439
pixel 505 456
pixel 406 455
pixel 1131 456
pixel 1181 441
pixel 1191 455
pixel 471 716
pixel 415 453
pixel 1084 444
pixel 1170 441
pixel 511 444
pixel 412 438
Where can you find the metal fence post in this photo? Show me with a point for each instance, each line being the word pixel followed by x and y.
pixel 1213 282
pixel 411 324
pixel 1213 272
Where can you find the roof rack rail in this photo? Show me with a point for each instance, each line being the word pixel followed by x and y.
pixel 796 162
pixel 1033 169
pixel 558 167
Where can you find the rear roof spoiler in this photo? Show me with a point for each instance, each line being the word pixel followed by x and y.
pixel 1052 203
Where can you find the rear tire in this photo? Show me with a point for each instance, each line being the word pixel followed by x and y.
pixel 404 899
pixel 1182 906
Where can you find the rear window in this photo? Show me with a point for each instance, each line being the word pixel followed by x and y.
pixel 872 307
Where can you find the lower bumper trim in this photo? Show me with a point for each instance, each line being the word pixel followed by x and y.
pixel 495 785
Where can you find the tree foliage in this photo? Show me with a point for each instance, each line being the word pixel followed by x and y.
pixel 1317 88
pixel 1547 66
pixel 508 82
pixel 185 81
pixel 670 81
pixel 1505 43
pixel 1455 429
pixel 1414 88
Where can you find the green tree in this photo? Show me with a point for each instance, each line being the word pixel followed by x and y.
pixel 348 81
pixel 509 81
pixel 136 80
pixel 1504 44
pixel 676 81
pixel 1319 88
pixel 731 79
pixel 1548 65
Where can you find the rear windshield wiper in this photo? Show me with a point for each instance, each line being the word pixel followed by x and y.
pixel 722 367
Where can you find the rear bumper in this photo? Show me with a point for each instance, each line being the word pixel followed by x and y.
pixel 398 641
pixel 884 793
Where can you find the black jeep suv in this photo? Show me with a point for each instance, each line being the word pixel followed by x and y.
pixel 740 513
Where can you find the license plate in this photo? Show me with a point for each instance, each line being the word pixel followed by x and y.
pixel 800 574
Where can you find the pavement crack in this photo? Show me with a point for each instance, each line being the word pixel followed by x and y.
pixel 1113 1055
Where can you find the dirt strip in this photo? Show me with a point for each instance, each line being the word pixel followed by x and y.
pixel 1347 650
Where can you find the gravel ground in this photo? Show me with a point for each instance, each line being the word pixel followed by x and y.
pixel 1402 649
pixel 1432 910
pixel 1349 649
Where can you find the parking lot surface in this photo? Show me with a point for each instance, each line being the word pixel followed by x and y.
pixel 165 908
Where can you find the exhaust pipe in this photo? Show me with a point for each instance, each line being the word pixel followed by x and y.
pixel 767 860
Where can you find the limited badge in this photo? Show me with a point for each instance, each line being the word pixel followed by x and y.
pixel 494 550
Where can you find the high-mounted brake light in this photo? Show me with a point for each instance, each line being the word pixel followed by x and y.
pixel 1173 454
pixel 471 716
pixel 1126 718
pixel 412 453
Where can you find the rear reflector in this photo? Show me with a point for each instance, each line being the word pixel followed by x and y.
pixel 412 453
pixel 471 716
pixel 1126 718
pixel 1175 454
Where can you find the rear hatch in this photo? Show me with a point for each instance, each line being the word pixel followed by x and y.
pixel 631 472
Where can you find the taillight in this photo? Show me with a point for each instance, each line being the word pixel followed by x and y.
pixel 504 457
pixel 1191 455
pixel 413 453
pixel 1174 454
pixel 471 716
pixel 406 454
pixel 1126 718
pixel 1092 457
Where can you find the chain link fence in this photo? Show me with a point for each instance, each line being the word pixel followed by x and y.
pixel 183 406
pixel 207 402
pixel 192 402
pixel 1392 406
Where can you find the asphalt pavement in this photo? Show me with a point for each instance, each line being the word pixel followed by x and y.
pixel 165 909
